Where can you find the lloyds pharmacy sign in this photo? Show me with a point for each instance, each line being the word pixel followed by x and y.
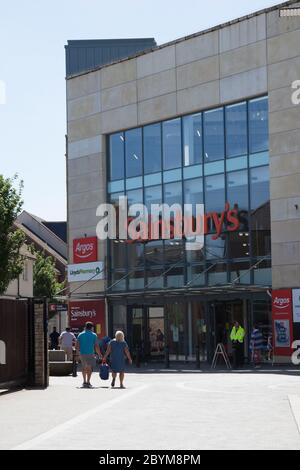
pixel 86 272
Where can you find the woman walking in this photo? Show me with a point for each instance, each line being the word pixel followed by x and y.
pixel 117 350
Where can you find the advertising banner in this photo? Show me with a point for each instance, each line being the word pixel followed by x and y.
pixel 81 311
pixel 296 305
pixel 86 272
pixel 85 250
pixel 282 312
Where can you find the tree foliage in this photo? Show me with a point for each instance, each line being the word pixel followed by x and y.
pixel 45 282
pixel 11 239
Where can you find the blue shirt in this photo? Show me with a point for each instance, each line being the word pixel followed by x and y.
pixel 87 340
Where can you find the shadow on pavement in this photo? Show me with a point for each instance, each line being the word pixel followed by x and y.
pixel 181 368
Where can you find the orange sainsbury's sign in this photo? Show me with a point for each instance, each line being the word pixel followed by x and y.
pixel 208 222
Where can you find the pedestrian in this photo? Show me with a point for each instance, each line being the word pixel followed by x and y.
pixel 117 350
pixel 270 346
pixel 103 344
pixel 237 337
pixel 54 337
pixel 67 341
pixel 160 340
pixel 256 345
pixel 86 346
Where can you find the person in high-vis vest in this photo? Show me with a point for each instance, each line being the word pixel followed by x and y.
pixel 237 337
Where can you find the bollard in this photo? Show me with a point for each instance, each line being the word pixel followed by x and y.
pixel 138 357
pixel 74 373
pixel 198 363
pixel 167 358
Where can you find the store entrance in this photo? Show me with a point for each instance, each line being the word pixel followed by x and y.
pixel 147 332
pixel 156 333
pixel 224 315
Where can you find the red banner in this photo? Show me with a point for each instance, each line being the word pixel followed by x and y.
pixel 82 311
pixel 282 312
pixel 85 250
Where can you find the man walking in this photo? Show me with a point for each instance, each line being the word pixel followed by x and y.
pixel 237 337
pixel 54 336
pixel 86 346
pixel 67 341
pixel 256 345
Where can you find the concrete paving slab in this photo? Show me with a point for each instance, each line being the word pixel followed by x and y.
pixel 157 411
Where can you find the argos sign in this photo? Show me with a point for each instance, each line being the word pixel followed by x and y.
pixel 85 250
pixel 282 313
pixel 281 303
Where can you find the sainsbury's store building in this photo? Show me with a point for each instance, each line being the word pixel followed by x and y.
pixel 209 119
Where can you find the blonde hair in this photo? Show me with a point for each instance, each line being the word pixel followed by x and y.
pixel 119 336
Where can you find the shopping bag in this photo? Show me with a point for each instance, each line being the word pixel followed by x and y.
pixel 104 371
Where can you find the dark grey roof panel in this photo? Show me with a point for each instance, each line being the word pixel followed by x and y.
pixel 85 55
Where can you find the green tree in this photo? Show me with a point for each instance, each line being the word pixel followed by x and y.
pixel 11 239
pixel 45 282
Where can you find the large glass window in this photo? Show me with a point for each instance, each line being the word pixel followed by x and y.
pixel 183 160
pixel 258 125
pixel 116 156
pixel 237 195
pixel 260 187
pixel 119 318
pixel 152 148
pixel 174 261
pixel 192 139
pixel 193 194
pixel 133 152
pixel 193 191
pixel 217 274
pixel 239 245
pixel 215 249
pixel 236 130
pixel 240 272
pixel 173 196
pixel 118 280
pixel 214 193
pixel 173 193
pixel 135 197
pixel 172 144
pixel 154 253
pixel 260 211
pixel 118 253
pixel 137 280
pixel 153 195
pixel 135 255
pixel 214 135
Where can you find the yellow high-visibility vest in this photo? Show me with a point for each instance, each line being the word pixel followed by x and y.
pixel 237 334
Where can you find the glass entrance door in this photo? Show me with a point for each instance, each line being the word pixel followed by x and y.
pixel 138 329
pixel 156 333
pixel 146 326
pixel 177 328
pixel 225 314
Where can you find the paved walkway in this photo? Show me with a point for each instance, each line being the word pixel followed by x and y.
pixel 174 410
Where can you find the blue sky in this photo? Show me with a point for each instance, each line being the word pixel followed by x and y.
pixel 32 38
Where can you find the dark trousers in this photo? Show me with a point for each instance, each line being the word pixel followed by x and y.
pixel 238 354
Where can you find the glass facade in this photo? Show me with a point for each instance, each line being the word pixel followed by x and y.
pixel 214 157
